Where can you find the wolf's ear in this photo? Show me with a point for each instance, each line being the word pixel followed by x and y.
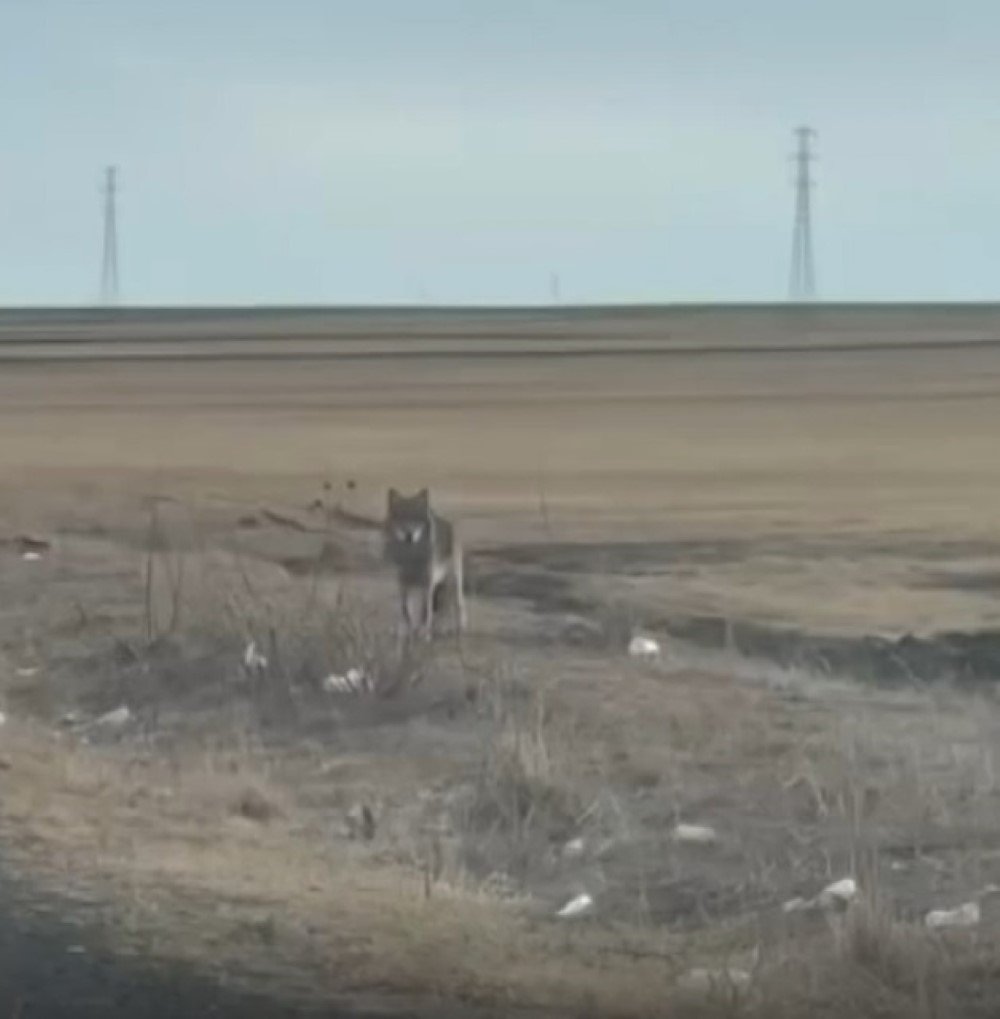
pixel 393 497
pixel 424 496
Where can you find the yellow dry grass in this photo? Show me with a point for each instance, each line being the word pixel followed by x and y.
pixel 157 848
pixel 846 445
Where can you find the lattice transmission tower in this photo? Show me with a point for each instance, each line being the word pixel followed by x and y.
pixel 109 252
pixel 802 280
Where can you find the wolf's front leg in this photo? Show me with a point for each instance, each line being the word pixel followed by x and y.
pixel 428 609
pixel 462 616
pixel 404 608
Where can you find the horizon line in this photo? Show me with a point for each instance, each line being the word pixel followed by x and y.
pixel 539 306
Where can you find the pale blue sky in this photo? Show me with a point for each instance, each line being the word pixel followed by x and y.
pixel 322 151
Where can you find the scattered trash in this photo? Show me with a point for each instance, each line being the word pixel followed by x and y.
pixel 695 834
pixel 113 719
pixel 361 822
pixel 643 647
pixel 967 915
pixel 76 950
pixel 798 905
pixel 253 659
pixel 574 848
pixel 576 907
pixel 707 981
pixel 31 549
pixel 838 895
pixel 353 681
pixel 27 671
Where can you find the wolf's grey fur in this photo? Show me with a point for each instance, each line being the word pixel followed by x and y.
pixel 427 554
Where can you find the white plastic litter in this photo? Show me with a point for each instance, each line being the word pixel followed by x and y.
pixel 352 682
pixel 576 907
pixel 27 671
pixel 797 905
pixel 334 683
pixel 574 848
pixel 695 834
pixel 966 915
pixel 253 659
pixel 839 894
pixel 643 647
pixel 31 557
pixel 705 981
pixel 361 822
pixel 114 719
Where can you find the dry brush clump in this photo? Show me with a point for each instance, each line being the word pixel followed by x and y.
pixel 179 865
pixel 870 964
pixel 210 626
pixel 530 788
pixel 526 794
pixel 878 788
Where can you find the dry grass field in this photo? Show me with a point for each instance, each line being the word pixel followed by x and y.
pixel 802 507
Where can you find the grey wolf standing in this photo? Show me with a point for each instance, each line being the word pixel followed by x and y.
pixel 427 554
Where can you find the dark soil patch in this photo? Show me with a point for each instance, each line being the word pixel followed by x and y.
pixel 642 558
pixel 956 657
pixel 54 965
pixel 985 581
pixel 544 576
pixel 51 968
pixel 547 592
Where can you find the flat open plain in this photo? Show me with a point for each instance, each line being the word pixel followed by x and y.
pixel 801 504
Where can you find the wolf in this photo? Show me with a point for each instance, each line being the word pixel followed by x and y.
pixel 427 554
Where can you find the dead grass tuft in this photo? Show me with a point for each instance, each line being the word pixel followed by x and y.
pixel 526 794
pixel 198 614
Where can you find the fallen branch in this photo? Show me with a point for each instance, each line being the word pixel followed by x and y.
pixel 282 521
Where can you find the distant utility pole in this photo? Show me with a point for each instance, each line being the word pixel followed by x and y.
pixel 554 288
pixel 802 282
pixel 109 255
